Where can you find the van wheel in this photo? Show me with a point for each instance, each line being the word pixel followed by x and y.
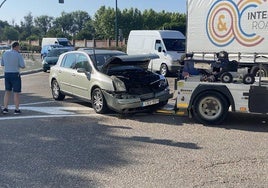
pixel 163 69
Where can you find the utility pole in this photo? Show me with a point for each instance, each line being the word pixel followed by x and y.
pixel 116 24
pixel 2 3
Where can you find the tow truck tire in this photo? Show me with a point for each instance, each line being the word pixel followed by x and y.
pixel 256 71
pixel 226 77
pixel 210 108
pixel 248 79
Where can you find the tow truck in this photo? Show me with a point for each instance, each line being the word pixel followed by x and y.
pixel 210 102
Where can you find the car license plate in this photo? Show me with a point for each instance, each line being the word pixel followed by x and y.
pixel 150 102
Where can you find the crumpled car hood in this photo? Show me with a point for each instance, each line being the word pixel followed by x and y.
pixel 129 60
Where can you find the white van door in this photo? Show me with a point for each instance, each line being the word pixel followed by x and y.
pixel 157 64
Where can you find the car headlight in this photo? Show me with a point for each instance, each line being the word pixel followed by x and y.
pixel 163 81
pixel 118 84
pixel 44 62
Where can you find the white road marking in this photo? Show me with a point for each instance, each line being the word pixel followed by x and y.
pixel 45 116
pixel 49 112
pixel 56 110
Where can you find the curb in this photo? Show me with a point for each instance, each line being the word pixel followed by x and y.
pixel 26 72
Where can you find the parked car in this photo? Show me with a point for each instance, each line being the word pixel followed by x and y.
pixel 46 48
pixel 52 57
pixel 109 80
pixel 3 48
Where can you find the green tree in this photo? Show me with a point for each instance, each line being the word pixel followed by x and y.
pixel 26 26
pixel 64 23
pixel 43 23
pixel 88 32
pixel 80 18
pixel 130 19
pixel 104 23
pixel 10 33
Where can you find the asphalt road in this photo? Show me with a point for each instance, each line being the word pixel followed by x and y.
pixel 65 144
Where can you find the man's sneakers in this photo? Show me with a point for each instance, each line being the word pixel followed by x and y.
pixel 17 112
pixel 5 111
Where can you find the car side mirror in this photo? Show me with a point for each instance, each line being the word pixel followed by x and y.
pixel 159 49
pixel 81 70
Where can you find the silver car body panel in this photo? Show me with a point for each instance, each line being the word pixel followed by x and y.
pixel 81 84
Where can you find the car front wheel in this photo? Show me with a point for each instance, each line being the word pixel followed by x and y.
pixel 56 93
pixel 98 101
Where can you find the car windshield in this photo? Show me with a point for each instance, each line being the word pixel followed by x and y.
pixel 56 52
pixel 175 44
pixel 100 59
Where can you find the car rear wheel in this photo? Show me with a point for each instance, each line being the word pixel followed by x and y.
pixel 98 101
pixel 56 93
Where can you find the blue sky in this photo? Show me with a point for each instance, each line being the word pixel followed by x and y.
pixel 17 9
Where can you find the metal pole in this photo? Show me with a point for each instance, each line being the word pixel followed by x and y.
pixel 2 3
pixel 116 26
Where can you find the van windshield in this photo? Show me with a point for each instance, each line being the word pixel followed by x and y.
pixel 175 44
pixel 64 43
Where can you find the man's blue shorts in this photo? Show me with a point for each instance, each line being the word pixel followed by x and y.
pixel 13 82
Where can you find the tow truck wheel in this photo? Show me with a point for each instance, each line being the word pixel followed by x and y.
pixel 226 77
pixel 210 108
pixel 248 79
pixel 256 71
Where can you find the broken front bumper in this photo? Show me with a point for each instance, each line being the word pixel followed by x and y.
pixel 125 103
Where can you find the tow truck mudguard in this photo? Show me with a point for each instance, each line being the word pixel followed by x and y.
pixel 222 89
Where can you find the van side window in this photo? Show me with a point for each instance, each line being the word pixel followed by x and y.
pixel 69 61
pixel 158 44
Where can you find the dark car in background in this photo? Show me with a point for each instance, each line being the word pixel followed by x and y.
pixel 109 80
pixel 52 57
pixel 46 48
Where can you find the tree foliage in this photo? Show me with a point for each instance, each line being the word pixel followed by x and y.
pixel 80 25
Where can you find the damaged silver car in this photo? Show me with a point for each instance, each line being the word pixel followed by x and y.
pixel 109 80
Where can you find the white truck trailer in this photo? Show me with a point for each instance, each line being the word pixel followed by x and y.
pixel 238 27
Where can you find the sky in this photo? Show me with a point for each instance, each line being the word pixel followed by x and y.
pixel 15 10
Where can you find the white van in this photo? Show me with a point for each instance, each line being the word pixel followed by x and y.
pixel 169 45
pixel 58 41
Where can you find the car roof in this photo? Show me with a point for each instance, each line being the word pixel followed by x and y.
pixel 92 51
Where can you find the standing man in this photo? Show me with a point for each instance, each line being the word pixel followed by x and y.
pixel 12 61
